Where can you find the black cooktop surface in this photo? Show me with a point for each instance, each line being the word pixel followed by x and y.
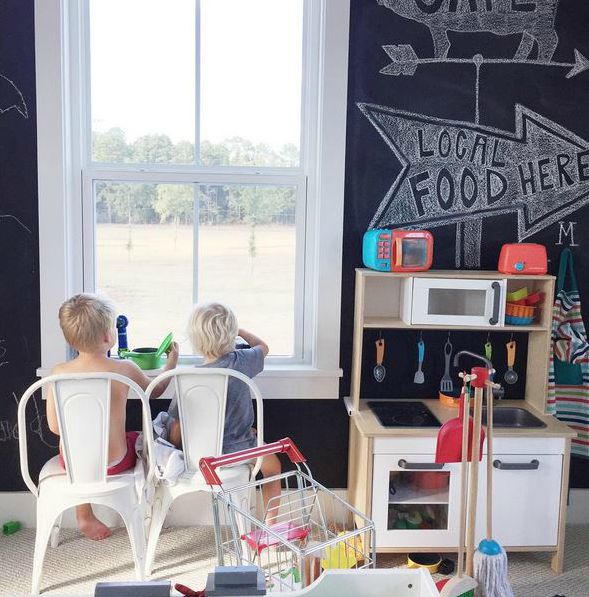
pixel 400 413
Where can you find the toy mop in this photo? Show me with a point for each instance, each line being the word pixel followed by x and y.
pixel 490 559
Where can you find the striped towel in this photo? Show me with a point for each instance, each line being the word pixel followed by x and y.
pixel 568 381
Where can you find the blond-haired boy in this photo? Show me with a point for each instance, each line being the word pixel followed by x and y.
pixel 88 324
pixel 212 329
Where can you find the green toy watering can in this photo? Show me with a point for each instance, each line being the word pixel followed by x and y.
pixel 148 358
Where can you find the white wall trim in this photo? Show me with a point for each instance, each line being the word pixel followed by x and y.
pixel 60 118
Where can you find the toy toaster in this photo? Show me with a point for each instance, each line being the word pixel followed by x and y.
pixel 398 250
pixel 523 258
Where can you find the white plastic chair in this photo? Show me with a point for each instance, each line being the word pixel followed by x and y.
pixel 82 404
pixel 202 397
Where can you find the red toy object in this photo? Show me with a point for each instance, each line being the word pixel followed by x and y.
pixel 413 250
pixel 531 300
pixel 260 540
pixel 523 258
pixel 449 443
pixel 187 592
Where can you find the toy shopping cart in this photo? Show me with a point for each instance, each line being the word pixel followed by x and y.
pixel 305 530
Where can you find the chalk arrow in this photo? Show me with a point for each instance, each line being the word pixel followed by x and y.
pixel 453 171
pixel 11 98
pixel 581 65
pixel 405 61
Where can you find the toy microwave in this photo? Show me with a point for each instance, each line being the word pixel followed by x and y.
pixel 398 250
pixel 523 258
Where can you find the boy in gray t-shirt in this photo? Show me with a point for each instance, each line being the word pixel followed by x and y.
pixel 212 329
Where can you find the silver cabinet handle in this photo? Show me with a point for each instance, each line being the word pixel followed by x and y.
pixel 517 466
pixel 422 466
pixel 496 303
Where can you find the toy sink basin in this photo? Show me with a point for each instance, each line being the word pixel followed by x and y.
pixel 513 417
pixel 148 358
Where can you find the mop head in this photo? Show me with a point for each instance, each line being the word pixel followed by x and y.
pixel 490 570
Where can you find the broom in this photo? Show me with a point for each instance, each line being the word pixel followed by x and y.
pixel 490 559
pixel 462 585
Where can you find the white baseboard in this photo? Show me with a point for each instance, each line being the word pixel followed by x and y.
pixel 195 509
pixel 578 512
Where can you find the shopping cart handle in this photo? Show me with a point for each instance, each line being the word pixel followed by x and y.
pixel 283 446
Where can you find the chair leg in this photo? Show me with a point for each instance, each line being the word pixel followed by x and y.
pixel 54 542
pixel 161 505
pixel 45 524
pixel 134 523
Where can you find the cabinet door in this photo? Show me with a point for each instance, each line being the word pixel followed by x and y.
pixel 455 301
pixel 415 501
pixel 526 499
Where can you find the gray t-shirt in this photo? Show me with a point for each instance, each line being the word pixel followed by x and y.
pixel 239 412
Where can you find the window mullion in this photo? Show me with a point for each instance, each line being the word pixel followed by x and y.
pixel 197 66
pixel 195 245
pixel 193 177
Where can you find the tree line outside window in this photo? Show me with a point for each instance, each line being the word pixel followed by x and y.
pixel 145 203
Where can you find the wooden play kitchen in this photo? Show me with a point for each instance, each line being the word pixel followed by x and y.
pixel 393 475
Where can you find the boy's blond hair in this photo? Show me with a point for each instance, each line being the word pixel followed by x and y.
pixel 212 329
pixel 85 319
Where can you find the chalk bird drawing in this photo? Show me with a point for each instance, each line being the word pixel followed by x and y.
pixel 11 97
pixel 534 20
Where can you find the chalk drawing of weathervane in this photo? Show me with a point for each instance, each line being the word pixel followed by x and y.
pixel 11 98
pixel 458 172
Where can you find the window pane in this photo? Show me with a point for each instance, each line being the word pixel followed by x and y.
pixel 251 65
pixel 247 244
pixel 142 80
pixel 144 257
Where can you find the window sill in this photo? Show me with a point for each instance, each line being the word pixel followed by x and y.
pixel 275 382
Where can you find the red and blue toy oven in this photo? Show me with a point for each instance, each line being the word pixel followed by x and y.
pixel 398 250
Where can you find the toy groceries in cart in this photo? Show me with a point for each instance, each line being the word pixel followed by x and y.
pixel 297 535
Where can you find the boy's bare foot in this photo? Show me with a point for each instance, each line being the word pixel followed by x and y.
pixel 89 525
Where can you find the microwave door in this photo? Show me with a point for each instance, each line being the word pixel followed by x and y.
pixel 477 303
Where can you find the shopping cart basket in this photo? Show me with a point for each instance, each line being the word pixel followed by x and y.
pixel 293 537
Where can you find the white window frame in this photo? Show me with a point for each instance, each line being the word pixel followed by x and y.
pixel 64 228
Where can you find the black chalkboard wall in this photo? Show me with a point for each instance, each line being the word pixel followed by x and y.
pixel 19 277
pixel 412 76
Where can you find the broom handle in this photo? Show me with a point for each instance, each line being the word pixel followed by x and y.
pixel 465 412
pixel 474 479
pixel 489 460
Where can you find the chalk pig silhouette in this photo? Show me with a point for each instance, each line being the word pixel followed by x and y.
pixel 533 19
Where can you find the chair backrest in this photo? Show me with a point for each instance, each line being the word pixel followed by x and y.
pixel 82 405
pixel 202 398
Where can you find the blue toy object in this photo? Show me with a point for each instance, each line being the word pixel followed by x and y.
pixel 122 323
